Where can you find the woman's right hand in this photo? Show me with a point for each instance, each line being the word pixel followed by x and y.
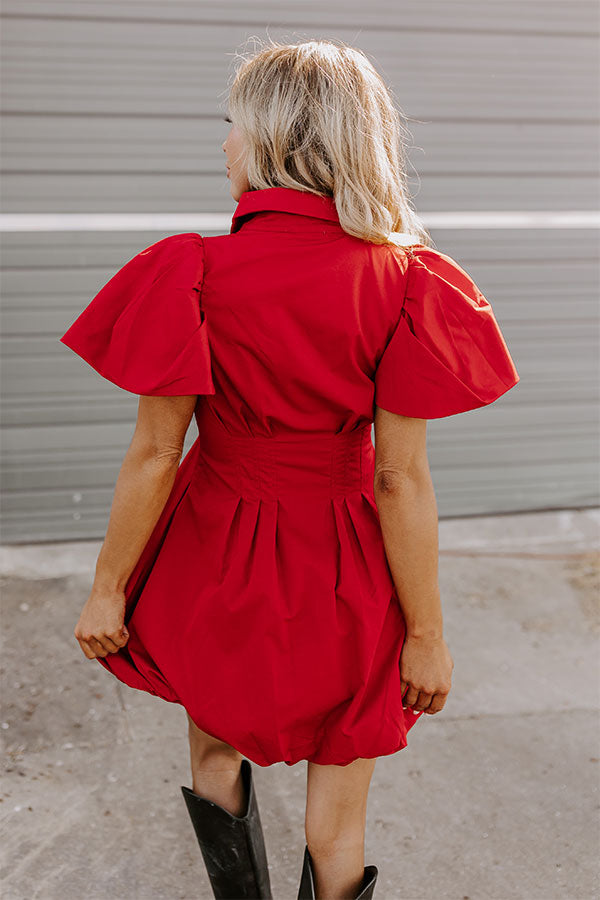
pixel 100 629
pixel 425 673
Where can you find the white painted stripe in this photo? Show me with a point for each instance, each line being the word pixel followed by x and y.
pixel 514 219
pixel 115 222
pixel 221 222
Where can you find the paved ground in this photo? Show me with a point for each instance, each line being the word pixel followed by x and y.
pixel 495 797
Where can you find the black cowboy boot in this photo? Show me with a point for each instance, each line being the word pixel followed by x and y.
pixel 232 846
pixel 307 881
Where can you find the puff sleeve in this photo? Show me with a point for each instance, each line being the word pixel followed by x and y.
pixel 145 330
pixel 446 354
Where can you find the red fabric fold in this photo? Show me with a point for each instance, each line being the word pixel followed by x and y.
pixel 145 330
pixel 447 353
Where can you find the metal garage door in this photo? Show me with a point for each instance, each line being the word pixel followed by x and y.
pixel 115 108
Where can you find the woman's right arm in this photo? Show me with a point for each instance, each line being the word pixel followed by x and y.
pixel 407 509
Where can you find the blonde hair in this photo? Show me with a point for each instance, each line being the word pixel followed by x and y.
pixel 318 117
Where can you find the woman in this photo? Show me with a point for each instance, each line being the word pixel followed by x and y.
pixel 281 582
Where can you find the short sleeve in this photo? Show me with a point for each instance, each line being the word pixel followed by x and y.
pixel 446 354
pixel 145 330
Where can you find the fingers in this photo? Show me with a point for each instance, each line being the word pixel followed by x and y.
pixel 422 701
pixel 411 696
pixel 120 637
pixel 108 644
pixel 436 704
pixel 418 700
pixel 97 646
pixel 103 644
pixel 86 649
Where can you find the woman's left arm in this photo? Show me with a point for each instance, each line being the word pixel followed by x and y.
pixel 142 489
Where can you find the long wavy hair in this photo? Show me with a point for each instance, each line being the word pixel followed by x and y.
pixel 318 117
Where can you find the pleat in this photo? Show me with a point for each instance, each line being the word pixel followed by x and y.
pixel 282 652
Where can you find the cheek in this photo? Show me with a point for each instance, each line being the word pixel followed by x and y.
pixel 238 153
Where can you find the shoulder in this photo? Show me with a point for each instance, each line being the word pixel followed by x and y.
pixel 433 278
pixel 174 246
pixel 446 353
pixel 177 256
pixel 437 262
pixel 423 256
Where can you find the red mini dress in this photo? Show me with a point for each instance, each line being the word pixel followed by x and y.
pixel 263 601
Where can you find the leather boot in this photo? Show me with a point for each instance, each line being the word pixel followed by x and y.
pixel 232 846
pixel 307 881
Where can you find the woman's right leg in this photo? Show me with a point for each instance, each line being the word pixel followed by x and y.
pixel 216 771
pixel 336 809
pixel 223 808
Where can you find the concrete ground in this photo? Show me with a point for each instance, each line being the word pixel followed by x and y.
pixel 495 797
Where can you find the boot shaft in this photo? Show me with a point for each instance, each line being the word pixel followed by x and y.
pixel 232 847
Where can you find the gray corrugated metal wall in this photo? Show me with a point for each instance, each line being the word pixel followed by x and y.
pixel 116 107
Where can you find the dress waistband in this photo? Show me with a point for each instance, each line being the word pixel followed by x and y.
pixel 318 464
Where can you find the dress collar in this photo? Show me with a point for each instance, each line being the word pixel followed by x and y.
pixel 283 199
